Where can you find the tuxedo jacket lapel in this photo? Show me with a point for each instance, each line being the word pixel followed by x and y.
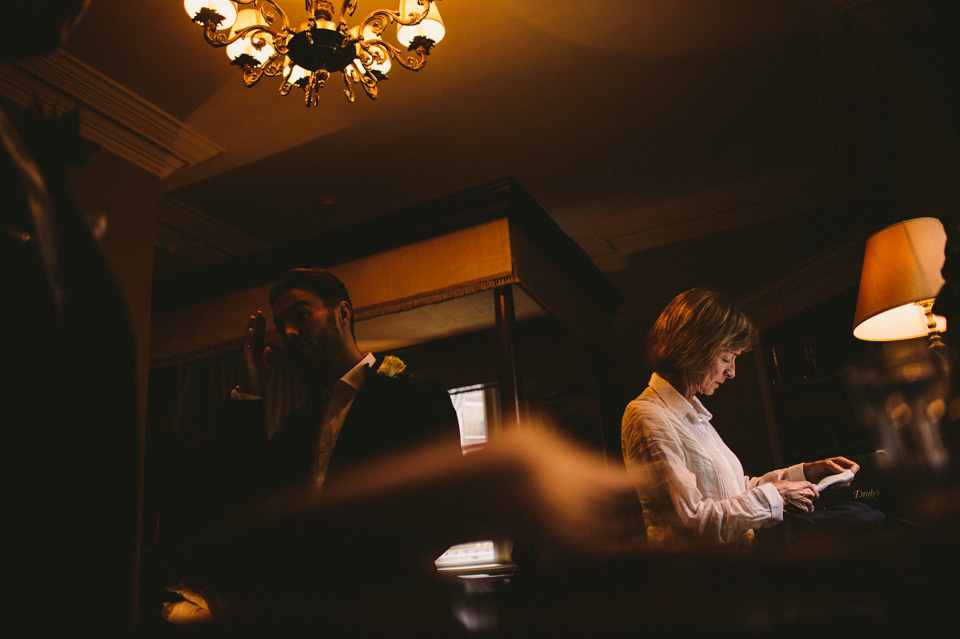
pixel 361 433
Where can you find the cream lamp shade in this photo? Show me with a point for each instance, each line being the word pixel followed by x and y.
pixel 900 279
pixel 430 27
pixel 249 18
pixel 224 7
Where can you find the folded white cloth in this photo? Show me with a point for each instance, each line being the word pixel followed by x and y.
pixel 830 480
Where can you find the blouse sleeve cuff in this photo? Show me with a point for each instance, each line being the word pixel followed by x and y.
pixel 774 500
pixel 795 473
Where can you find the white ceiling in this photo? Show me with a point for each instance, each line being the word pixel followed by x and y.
pixel 634 123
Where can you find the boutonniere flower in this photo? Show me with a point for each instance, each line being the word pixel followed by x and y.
pixel 391 366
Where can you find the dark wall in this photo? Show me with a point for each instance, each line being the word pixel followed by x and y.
pixel 563 378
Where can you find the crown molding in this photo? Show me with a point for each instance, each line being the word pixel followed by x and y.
pixel 202 238
pixel 114 117
pixel 766 198
pixel 818 278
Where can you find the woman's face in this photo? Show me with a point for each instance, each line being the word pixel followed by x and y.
pixel 724 367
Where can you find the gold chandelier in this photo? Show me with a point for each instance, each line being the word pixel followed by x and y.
pixel 259 40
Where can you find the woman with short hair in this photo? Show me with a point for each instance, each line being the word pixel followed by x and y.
pixel 691 485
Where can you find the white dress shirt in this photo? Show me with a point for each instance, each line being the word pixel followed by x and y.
pixel 690 483
pixel 342 394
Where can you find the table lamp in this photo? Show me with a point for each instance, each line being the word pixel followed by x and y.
pixel 898 284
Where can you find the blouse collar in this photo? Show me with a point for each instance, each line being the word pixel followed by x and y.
pixel 677 402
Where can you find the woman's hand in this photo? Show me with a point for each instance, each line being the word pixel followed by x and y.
pixel 797 496
pixel 815 471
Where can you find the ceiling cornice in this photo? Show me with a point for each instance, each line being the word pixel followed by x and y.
pixel 204 239
pixel 112 116
pixel 818 278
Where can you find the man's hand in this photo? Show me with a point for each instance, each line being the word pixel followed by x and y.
pixel 254 357
pixel 815 471
pixel 797 496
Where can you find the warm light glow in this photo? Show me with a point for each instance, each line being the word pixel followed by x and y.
pixel 359 67
pixel 271 47
pixel 295 73
pixel 223 7
pixel 248 18
pixel 430 27
pixel 369 34
pixel 904 322
pixel 382 67
pixel 901 270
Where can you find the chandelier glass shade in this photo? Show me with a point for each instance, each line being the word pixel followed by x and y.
pixel 259 40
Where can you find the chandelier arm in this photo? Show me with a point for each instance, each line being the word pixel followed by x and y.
pixel 349 6
pixel 369 83
pixel 413 62
pixel 269 9
pixel 365 77
pixel 216 37
pixel 274 64
pixel 309 93
pixel 347 91
pixel 365 55
pixel 221 39
pixel 417 17
pixel 376 22
pixel 373 52
pixel 317 81
pixel 394 16
pixel 280 41
pixel 257 38
pixel 252 75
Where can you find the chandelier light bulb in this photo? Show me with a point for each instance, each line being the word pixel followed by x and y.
pixel 224 7
pixel 295 73
pixel 382 67
pixel 431 27
pixel 368 33
pixel 248 18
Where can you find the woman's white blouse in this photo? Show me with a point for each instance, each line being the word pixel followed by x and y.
pixel 690 483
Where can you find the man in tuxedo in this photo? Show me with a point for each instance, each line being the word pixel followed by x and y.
pixel 357 410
